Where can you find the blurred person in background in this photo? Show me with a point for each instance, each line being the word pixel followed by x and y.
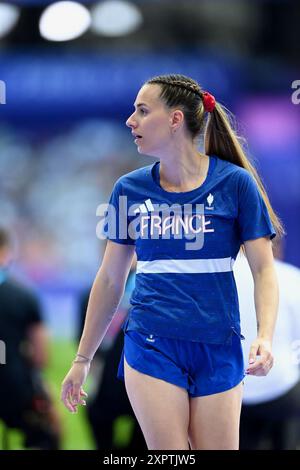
pixel 270 417
pixel 182 359
pixel 108 401
pixel 24 402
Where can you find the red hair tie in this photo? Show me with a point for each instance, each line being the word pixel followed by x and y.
pixel 209 101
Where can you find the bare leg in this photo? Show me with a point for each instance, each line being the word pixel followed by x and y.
pixel 161 408
pixel 214 420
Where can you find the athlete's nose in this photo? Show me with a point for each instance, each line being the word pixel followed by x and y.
pixel 130 122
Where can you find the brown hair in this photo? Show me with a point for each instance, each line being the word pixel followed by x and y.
pixel 220 136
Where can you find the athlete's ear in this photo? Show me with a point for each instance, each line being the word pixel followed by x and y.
pixel 176 119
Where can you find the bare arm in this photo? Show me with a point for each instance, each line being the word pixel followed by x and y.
pixel 106 293
pixel 105 296
pixel 260 257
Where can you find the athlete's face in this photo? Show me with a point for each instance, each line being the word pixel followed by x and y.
pixel 151 122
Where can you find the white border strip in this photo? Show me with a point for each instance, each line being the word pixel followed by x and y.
pixel 185 266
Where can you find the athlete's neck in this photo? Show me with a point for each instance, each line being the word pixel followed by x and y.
pixel 184 173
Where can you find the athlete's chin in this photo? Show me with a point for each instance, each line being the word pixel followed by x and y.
pixel 143 150
pixel 155 151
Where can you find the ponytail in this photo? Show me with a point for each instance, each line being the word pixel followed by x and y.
pixel 221 140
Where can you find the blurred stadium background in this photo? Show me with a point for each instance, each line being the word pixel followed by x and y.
pixel 63 139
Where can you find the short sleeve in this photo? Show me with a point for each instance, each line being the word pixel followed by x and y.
pixel 253 217
pixel 117 219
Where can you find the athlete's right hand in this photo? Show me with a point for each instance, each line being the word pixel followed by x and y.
pixel 72 392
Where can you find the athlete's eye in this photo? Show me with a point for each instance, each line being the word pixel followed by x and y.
pixel 143 111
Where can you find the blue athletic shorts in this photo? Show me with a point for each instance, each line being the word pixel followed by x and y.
pixel 202 369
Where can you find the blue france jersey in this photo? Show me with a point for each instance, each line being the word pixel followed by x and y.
pixel 186 244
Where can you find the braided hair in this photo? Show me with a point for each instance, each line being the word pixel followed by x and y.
pixel 184 92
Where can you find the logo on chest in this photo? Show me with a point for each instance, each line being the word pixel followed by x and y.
pixel 210 200
pixel 176 220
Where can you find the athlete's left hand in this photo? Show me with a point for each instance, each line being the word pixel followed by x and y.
pixel 260 357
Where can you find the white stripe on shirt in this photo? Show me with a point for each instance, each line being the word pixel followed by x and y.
pixel 185 266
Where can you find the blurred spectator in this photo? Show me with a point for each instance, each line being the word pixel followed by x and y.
pixel 108 403
pixel 270 417
pixel 24 402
